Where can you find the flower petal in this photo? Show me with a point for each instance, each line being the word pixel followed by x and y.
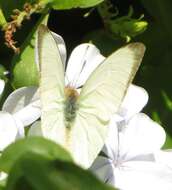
pixel 141 136
pixel 8 129
pixel 164 157
pixel 61 46
pixel 102 168
pixel 143 176
pixel 133 175
pixel 134 101
pixel 30 113
pixel 111 144
pixel 82 62
pixel 20 127
pixel 20 98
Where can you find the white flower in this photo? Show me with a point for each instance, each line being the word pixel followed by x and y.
pixel 129 159
pixel 135 99
pixel 82 62
pixel 164 157
pixel 20 109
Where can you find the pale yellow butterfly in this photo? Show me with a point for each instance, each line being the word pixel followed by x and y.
pixel 79 122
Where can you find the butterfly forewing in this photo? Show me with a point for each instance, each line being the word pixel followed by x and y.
pixel 105 89
pixel 51 85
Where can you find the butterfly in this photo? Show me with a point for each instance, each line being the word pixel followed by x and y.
pixel 79 121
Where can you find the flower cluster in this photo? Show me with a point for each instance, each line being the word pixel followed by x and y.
pixel 131 158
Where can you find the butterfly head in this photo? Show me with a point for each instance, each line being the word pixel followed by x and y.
pixel 71 93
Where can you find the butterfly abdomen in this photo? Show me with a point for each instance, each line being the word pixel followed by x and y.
pixel 71 106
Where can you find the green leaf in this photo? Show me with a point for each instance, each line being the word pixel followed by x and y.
pixel 24 69
pixel 30 145
pixel 2 188
pixel 39 173
pixel 2 18
pixel 9 6
pixel 125 27
pixel 168 143
pixel 69 4
pixel 3 183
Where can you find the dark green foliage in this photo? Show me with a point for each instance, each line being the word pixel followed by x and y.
pixel 39 164
pixel 36 172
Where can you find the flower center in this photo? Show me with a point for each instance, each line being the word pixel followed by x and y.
pixel 117 163
pixel 70 108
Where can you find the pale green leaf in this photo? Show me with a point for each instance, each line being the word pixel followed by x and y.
pixel 24 70
pixel 68 4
